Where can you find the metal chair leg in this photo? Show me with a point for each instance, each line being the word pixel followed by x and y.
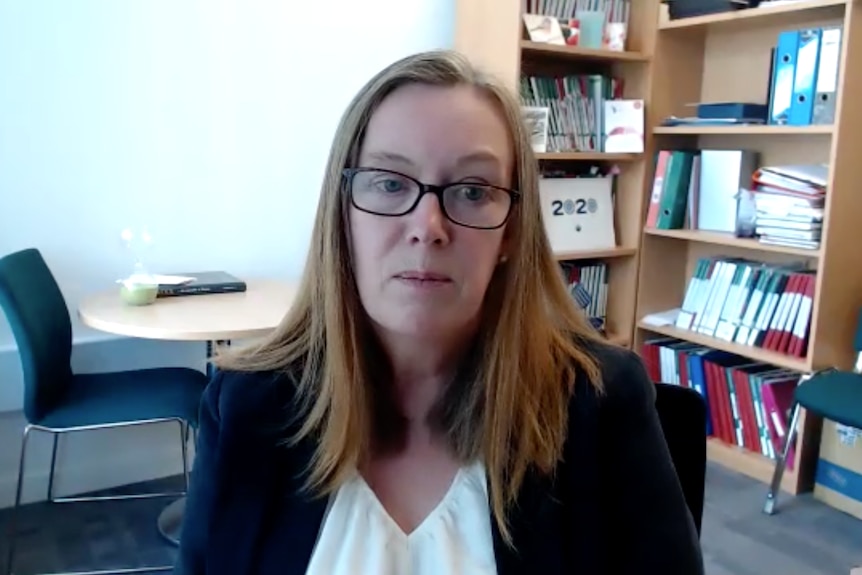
pixel 13 518
pixel 91 498
pixel 55 438
pixel 781 463
pixel 171 518
pixel 184 433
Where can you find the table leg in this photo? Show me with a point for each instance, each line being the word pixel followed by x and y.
pixel 170 521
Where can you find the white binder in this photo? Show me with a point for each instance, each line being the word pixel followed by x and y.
pixel 827 76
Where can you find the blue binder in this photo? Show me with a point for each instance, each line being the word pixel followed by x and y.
pixel 698 381
pixel 783 72
pixel 804 82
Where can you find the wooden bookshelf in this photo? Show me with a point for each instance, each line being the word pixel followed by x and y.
pixel 587 157
pixel 578 53
pixel 726 57
pixel 748 463
pixel 744 130
pixel 808 9
pixel 731 241
pixel 492 34
pixel 751 352
pixel 623 340
pixel 618 252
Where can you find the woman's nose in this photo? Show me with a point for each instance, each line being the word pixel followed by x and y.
pixel 428 223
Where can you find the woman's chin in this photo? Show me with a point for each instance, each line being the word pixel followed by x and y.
pixel 422 325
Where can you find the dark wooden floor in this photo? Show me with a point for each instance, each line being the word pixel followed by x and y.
pixel 805 538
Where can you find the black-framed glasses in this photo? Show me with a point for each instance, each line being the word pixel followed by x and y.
pixel 470 204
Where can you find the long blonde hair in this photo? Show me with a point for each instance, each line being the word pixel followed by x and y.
pixel 512 413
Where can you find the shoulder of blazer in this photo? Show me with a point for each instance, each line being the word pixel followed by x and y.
pixel 252 413
pixel 625 383
pixel 245 397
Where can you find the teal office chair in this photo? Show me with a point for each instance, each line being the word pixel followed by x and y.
pixel 832 394
pixel 56 400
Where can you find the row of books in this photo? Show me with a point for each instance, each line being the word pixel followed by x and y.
pixel 576 106
pixel 674 189
pixel 804 76
pixel 614 10
pixel 588 283
pixel 748 402
pixel 750 303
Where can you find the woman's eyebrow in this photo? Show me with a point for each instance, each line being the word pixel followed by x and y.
pixel 479 157
pixel 484 158
pixel 390 157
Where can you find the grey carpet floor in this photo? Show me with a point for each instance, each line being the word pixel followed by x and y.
pixel 805 538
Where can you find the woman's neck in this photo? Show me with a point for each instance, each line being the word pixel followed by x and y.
pixel 419 371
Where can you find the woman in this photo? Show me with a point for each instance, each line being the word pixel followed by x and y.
pixel 433 402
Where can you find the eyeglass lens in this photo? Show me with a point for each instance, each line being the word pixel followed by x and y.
pixel 469 203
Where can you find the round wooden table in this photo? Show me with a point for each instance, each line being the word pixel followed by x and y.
pixel 210 318
pixel 204 317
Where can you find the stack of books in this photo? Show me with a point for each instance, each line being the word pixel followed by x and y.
pixel 789 202
pixel 587 281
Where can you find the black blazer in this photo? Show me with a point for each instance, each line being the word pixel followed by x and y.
pixel 614 506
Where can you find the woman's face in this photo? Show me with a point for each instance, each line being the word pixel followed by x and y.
pixel 420 273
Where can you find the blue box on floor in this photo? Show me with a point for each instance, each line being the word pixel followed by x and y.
pixel 838 481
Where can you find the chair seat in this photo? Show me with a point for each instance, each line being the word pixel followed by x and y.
pixel 835 395
pixel 128 396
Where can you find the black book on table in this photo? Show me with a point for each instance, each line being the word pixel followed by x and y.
pixel 210 282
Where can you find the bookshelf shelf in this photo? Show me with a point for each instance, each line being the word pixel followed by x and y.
pixel 596 254
pixel 729 240
pixel 767 14
pixel 754 353
pixel 539 49
pixel 587 157
pixel 747 130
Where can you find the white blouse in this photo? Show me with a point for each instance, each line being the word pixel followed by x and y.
pixel 358 536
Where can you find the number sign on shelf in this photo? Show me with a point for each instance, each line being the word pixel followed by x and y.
pixel 578 213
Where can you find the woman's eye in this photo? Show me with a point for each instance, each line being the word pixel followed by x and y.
pixel 473 193
pixel 390 185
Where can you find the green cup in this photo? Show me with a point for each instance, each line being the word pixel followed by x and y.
pixel 592 28
pixel 138 293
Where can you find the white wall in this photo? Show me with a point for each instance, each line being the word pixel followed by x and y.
pixel 208 122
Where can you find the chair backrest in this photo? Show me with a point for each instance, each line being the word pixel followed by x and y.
pixel 37 312
pixel 682 412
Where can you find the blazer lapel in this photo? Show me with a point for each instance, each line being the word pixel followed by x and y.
pixel 536 525
pixel 266 525
pixel 291 519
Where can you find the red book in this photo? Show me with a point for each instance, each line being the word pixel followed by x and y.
pixel 799 337
pixel 773 329
pixel 657 188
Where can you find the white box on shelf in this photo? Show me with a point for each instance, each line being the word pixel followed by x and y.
pixel 578 213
